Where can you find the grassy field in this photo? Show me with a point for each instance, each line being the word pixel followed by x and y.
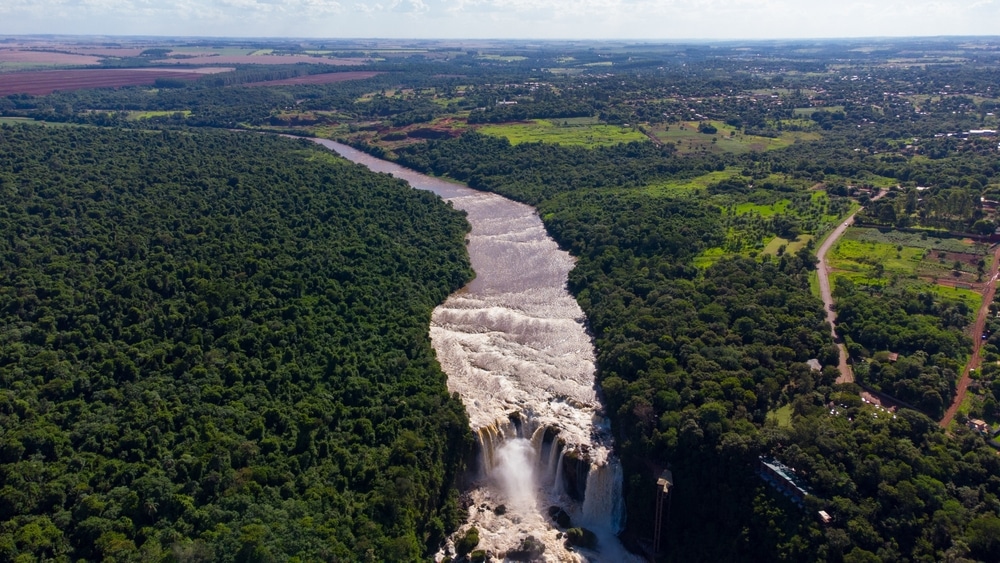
pixel 791 246
pixel 136 115
pixel 688 140
pixel 763 210
pixel 870 257
pixel 687 187
pixel 916 240
pixel 554 131
pixel 781 416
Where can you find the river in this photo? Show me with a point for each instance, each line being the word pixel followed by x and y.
pixel 514 345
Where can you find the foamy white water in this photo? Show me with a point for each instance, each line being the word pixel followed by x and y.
pixel 514 346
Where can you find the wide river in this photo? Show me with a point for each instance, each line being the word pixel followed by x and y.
pixel 514 345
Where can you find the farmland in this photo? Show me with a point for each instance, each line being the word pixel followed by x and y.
pixel 47 81
pixel 947 266
pixel 258 60
pixel 16 59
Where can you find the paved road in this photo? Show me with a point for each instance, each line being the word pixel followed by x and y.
pixel 977 341
pixel 823 271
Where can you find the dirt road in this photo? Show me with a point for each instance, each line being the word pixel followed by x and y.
pixel 823 272
pixel 977 340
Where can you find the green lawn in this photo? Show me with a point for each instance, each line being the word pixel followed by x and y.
pixel 781 416
pixel 554 131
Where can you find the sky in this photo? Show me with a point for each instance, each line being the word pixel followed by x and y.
pixel 502 19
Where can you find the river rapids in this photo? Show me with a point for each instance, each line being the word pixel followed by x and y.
pixel 514 345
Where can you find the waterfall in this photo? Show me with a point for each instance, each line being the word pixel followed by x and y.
pixel 602 505
pixel 514 345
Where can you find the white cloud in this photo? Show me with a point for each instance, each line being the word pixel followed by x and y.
pixel 646 19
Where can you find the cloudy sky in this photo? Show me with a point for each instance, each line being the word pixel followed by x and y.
pixel 555 19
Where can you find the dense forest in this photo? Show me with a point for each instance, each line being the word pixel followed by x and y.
pixel 214 347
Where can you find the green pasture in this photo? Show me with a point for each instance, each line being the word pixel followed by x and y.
pixel 136 115
pixel 858 260
pixel 688 140
pixel 862 256
pixel 924 241
pixel 686 187
pixel 763 210
pixel 791 246
pixel 553 131
pixel 973 299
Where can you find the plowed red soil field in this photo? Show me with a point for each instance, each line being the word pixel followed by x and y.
pixel 46 58
pixel 43 82
pixel 259 60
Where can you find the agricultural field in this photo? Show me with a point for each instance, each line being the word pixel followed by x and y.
pixel 47 81
pixel 952 268
pixel 563 132
pixel 688 139
pixel 258 59
pixel 16 59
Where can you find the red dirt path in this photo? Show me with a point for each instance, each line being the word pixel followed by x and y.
pixel 977 341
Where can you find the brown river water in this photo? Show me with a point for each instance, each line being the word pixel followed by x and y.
pixel 514 345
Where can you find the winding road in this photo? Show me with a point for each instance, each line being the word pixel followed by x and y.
pixel 823 272
pixel 847 374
